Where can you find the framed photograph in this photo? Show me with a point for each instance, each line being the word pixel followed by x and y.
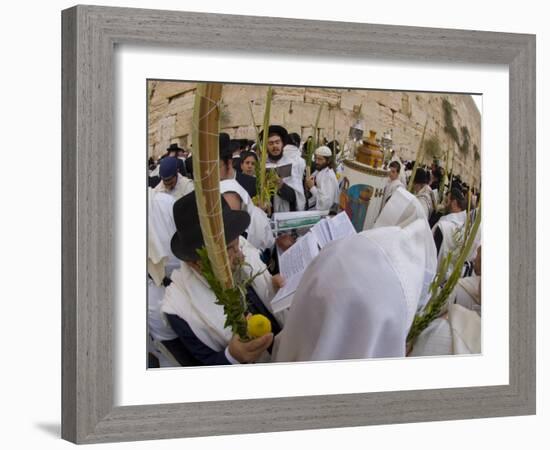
pixel 109 90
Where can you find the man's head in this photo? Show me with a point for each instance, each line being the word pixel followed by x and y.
pixel 234 253
pixel 323 156
pixel 277 138
pixel 173 150
pixel 436 175
pixel 226 157
pixel 235 145
pixel 168 172
pixel 455 201
pixel 421 179
pixel 294 139
pixel 248 163
pixel 188 237
pixel 395 168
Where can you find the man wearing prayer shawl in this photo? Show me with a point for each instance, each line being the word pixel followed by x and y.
pixel 446 231
pixel 163 343
pixel 423 191
pixel 323 184
pixel 456 333
pixel 467 292
pixel 292 150
pixel 173 182
pixel 393 182
pixel 383 274
pixel 190 305
pixel 227 170
pixel 290 193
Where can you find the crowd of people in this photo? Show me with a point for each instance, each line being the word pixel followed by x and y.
pixel 358 297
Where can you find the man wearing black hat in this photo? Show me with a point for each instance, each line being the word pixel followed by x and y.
pixel 227 169
pixel 290 193
pixel 173 182
pixel 177 152
pixel 424 193
pixel 189 304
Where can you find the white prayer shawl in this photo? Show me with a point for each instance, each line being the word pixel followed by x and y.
pixel 427 198
pixel 183 187
pixel 155 171
pixel 161 228
pixel 325 192
pixel 402 209
pixel 467 293
pixel 190 298
pixel 156 325
pixel 262 284
pixel 259 232
pixel 389 189
pixel 367 313
pixel 449 225
pixel 459 334
pixel 402 174
pixel 295 181
pixel 295 153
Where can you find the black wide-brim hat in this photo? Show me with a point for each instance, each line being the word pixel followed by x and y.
pixel 278 130
pixel 188 236
pixel 174 148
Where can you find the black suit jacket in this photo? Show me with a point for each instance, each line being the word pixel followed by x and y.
pixel 247 182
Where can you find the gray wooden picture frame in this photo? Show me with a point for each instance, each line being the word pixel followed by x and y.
pixel 89 35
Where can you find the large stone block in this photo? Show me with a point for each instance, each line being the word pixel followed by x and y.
pixel 169 89
pixel 238 115
pixel 329 96
pixel 183 124
pixel 353 99
pixel 181 103
pixel 234 93
pixel 289 94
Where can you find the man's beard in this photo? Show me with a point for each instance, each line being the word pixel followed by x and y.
pixel 273 157
pixel 320 167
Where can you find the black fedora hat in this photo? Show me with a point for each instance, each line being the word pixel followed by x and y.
pixel 188 236
pixel 174 148
pixel 278 130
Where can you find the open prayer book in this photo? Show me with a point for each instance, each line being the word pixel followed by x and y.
pixel 282 171
pixel 294 261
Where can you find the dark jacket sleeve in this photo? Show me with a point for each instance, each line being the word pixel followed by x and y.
pixel 438 238
pixel 247 182
pixel 196 347
pixel 288 194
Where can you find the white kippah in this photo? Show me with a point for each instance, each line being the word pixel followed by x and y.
pixel 324 151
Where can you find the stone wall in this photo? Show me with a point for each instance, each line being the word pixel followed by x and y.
pixel 296 108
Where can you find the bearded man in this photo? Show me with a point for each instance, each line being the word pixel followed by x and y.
pixel 323 184
pixel 290 191
pixel 190 305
